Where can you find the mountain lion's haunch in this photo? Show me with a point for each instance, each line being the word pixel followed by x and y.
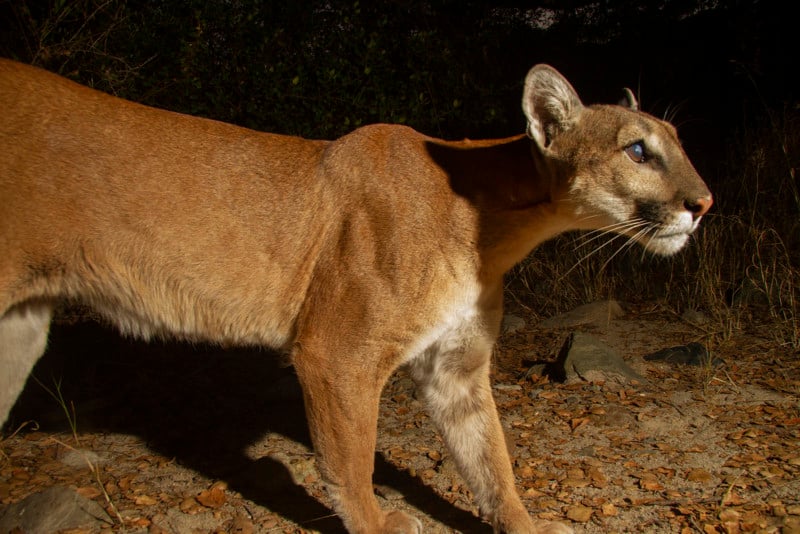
pixel 383 248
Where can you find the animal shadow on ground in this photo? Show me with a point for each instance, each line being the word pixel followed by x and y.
pixel 203 406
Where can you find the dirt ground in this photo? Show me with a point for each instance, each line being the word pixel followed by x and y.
pixel 194 439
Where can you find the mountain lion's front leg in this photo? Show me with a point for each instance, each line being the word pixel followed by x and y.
pixel 341 401
pixel 455 385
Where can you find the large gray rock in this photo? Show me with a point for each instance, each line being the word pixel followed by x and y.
pixel 54 509
pixel 585 358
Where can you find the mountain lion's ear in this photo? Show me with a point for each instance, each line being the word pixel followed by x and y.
pixel 629 100
pixel 550 104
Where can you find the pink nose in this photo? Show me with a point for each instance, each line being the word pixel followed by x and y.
pixel 700 206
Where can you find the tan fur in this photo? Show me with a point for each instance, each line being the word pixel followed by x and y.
pixel 382 248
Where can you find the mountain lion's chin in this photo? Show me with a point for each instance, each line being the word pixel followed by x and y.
pixel 665 244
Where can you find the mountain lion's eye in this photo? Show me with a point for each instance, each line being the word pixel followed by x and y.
pixel 636 152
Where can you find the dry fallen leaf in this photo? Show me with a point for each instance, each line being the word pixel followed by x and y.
pixel 524 472
pixel 609 510
pixel 111 488
pixel 650 483
pixel 732 498
pixel 778 509
pixel 145 500
pixel 699 475
pixel 242 525
pixel 90 492
pixel 598 478
pixel 532 493
pixel 125 482
pixel 575 482
pixel 214 497
pixel 729 514
pixel 190 506
pixel 579 513
pixel 141 522
pixel 157 529
pixel 549 395
pixel 578 422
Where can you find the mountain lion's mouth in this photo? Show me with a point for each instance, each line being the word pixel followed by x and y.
pixel 665 244
pixel 672 235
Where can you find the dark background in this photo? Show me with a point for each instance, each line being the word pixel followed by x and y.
pixel 449 68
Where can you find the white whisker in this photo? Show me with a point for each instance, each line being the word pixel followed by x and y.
pixel 639 227
pixel 616 231
pixel 618 228
pixel 629 243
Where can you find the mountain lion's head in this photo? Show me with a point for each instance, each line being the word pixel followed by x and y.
pixel 633 178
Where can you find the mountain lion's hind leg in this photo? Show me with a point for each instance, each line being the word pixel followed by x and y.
pixel 456 388
pixel 23 338
pixel 341 401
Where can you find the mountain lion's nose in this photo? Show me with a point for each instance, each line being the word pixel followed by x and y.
pixel 700 206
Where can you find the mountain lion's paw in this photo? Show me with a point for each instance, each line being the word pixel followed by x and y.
pixel 549 527
pixel 401 523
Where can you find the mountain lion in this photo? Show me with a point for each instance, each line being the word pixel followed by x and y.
pixel 382 248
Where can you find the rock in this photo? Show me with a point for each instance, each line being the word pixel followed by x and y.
pixel 584 357
pixel 512 323
pixel 54 509
pixel 600 313
pixel 694 317
pixel 690 354
pixel 81 459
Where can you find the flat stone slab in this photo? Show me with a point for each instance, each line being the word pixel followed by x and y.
pixel 54 509
pixel 690 354
pixel 583 357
